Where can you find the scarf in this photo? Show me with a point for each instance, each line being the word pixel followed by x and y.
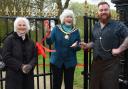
pixel 66 28
pixel 22 35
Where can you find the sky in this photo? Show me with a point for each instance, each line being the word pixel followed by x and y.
pixel 95 2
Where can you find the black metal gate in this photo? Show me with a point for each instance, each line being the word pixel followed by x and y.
pixel 88 27
pixel 36 33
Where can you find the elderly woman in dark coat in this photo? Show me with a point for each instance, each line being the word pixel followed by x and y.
pixel 19 55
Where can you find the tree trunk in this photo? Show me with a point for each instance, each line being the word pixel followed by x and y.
pixel 60 7
pixel 66 4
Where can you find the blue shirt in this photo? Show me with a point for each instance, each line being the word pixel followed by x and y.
pixel 64 55
pixel 107 38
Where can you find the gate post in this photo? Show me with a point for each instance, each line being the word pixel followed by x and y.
pixel 85 73
pixel 122 9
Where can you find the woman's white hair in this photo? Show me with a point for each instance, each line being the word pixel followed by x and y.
pixel 66 13
pixel 19 19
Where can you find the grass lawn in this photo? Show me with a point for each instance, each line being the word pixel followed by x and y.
pixel 78 78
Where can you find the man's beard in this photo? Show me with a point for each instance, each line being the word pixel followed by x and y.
pixel 104 20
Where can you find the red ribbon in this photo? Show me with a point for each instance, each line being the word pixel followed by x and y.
pixel 47 27
pixel 42 49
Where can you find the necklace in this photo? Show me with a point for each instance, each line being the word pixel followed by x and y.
pixel 106 50
pixel 67 34
pixel 100 40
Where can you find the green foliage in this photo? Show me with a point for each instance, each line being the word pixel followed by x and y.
pixel 80 25
pixel 78 8
pixel 5 28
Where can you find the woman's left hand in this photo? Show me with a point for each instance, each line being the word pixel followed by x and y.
pixel 74 45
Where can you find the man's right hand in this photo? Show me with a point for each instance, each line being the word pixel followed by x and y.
pixel 83 45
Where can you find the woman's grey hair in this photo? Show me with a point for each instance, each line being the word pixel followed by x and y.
pixel 66 13
pixel 19 19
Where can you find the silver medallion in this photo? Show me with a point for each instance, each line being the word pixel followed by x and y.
pixel 66 36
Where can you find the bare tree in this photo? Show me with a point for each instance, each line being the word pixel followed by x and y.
pixel 61 7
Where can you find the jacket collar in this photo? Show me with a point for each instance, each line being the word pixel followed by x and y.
pixel 109 22
pixel 17 37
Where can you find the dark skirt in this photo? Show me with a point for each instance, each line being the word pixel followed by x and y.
pixel 104 74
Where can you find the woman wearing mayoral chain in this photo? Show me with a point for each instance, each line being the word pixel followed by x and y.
pixel 65 39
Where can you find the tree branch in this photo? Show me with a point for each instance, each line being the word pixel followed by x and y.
pixel 59 6
pixel 66 4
